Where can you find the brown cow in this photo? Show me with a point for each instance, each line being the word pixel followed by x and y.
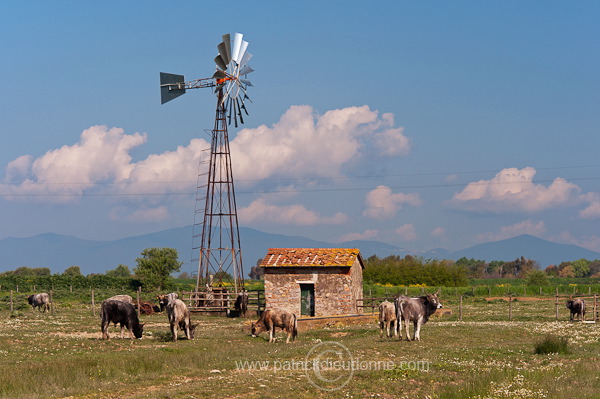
pixel 577 308
pixel 387 318
pixel 416 310
pixel 272 318
pixel 179 316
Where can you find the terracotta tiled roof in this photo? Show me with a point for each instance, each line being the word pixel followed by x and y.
pixel 311 257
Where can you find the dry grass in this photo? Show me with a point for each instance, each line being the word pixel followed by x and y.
pixel 484 356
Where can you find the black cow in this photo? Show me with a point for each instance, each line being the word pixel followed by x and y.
pixel 416 310
pixel 241 303
pixel 122 313
pixel 41 300
pixel 577 307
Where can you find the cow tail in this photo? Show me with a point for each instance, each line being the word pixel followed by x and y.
pixel 295 330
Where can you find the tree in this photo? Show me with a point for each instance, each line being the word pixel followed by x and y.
pixel 567 272
pixel 581 267
pixel 72 271
pixel 537 277
pixel 156 265
pixel 119 271
pixel 35 271
pixel 257 272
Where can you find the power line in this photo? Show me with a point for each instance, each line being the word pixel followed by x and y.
pixel 287 190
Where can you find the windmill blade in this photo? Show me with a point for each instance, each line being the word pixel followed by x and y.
pixel 239 110
pixel 227 43
pixel 246 82
pixel 219 75
pixel 223 52
pixel 242 51
pixel 246 70
pixel 244 107
pixel 234 114
pixel 245 59
pixel 228 109
pixel 237 45
pixel 220 63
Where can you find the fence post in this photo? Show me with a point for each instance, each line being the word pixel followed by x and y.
pixel 460 308
pixel 51 304
pixel 540 291
pixel 11 301
pixel 489 291
pixel 556 303
pixel 17 287
pixel 93 304
pixel 510 308
pixel 524 290
pixel 595 306
pixel 138 300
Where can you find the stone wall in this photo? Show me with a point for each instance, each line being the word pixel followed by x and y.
pixel 336 288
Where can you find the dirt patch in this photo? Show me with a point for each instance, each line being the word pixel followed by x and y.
pixel 519 298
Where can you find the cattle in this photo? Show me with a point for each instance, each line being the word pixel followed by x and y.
pixel 272 318
pixel 577 308
pixel 415 310
pixel 164 299
pixel 41 300
pixel 122 313
pixel 179 317
pixel 122 298
pixel 387 318
pixel 241 303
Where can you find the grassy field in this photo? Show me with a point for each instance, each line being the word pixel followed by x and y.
pixel 484 356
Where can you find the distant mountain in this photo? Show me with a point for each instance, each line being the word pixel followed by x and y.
pixel 545 252
pixel 59 252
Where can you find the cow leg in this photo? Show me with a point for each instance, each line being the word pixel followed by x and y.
pixel 418 329
pixel 104 327
pixel 174 331
pixel 187 330
pixel 406 328
pixel 289 334
pixel 381 329
pixel 122 330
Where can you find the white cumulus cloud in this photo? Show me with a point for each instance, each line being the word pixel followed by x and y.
pixel 382 202
pixel 304 143
pixel 295 214
pixel 365 235
pixel 407 232
pixel 513 189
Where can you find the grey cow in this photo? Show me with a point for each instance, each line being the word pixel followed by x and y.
pixel 415 310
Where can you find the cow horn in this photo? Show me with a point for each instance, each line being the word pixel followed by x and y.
pixel 437 292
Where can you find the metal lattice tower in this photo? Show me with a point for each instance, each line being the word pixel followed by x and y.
pixel 220 253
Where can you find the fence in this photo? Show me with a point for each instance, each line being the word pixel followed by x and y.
pixel 373 304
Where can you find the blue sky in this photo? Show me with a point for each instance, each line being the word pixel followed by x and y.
pixel 421 124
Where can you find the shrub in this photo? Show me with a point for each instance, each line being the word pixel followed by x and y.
pixel 552 344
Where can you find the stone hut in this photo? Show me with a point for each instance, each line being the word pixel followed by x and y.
pixel 314 281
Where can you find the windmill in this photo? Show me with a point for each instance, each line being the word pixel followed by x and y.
pixel 220 258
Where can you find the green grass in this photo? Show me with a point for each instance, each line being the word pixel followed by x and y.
pixel 552 344
pixel 484 356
